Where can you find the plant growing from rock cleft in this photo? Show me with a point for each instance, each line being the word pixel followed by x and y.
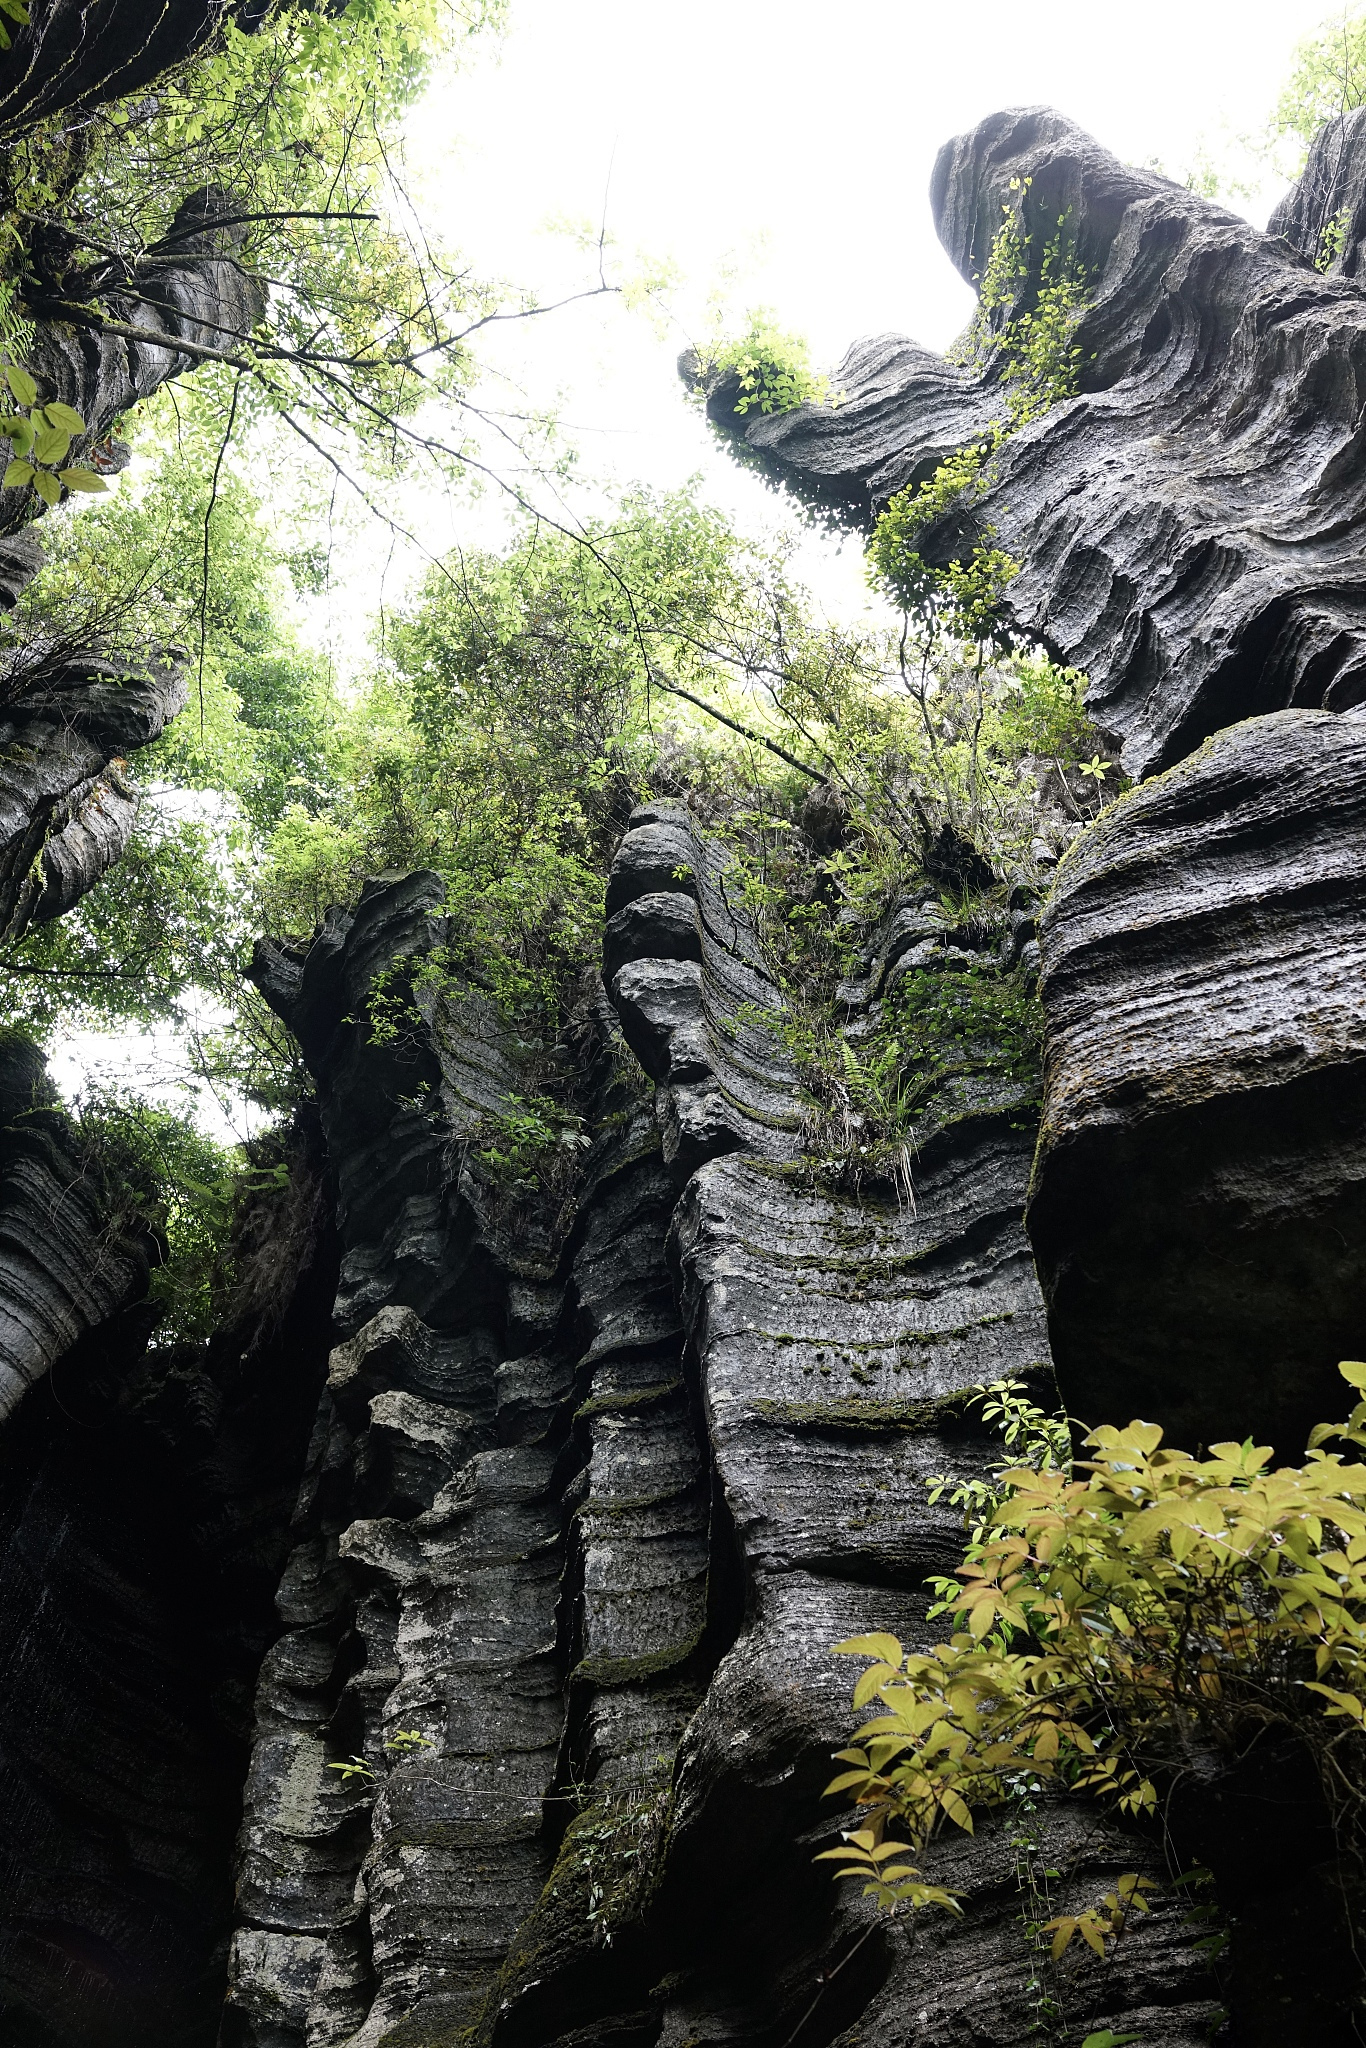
pixel 1124 1622
pixel 1031 341
pixel 771 369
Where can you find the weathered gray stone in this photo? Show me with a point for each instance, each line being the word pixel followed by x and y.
pixel 1190 527
pixel 66 808
pixel 65 1264
pixel 81 53
pixel 575 1501
pixel 144 1504
pixel 684 970
pixel 1324 214
pixel 1199 1207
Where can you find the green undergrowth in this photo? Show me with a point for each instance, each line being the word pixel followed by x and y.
pixel 973 1022
pixel 1118 1625
pixel 159 1174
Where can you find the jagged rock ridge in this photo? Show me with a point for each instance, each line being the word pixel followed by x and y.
pixel 593 1489
pixel 1189 527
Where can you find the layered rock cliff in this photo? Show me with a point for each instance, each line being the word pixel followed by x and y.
pixel 1188 531
pixel 594 1486
pixel 1188 526
pixel 144 1504
pixel 500 1542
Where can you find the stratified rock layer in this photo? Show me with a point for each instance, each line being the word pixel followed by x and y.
pixel 66 807
pixel 1199 1208
pixel 596 1482
pixel 67 1261
pixel 188 287
pixel 80 53
pixel 144 1502
pixel 1190 528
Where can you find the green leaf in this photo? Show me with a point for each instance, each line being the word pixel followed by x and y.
pixel 1105 2039
pixel 19 431
pixel 51 444
pixel 18 473
pixel 83 480
pixel 47 486
pixel 884 1647
pixel 21 384
pixel 65 416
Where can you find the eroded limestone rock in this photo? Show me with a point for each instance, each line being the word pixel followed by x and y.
pixel 1199 1207
pixel 67 1263
pixel 1189 527
pixel 144 1508
pixel 67 809
pixel 595 1485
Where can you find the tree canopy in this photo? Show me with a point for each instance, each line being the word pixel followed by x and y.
pixel 1328 78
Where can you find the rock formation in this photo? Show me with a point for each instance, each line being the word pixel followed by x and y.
pixel 106 336
pixel 594 1486
pixel 73 54
pixel 66 807
pixel 1199 1184
pixel 68 1261
pixel 501 1539
pixel 1190 526
pixel 144 1508
pixel 1189 530
pixel 111 335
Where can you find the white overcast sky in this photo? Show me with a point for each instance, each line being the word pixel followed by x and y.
pixel 793 143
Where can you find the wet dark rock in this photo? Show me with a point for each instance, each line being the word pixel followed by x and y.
pixel 188 287
pixel 1197 1211
pixel 509 1525
pixel 697 1007
pixel 824 818
pixel 82 53
pixel 1189 528
pixel 21 557
pixel 68 1261
pixel 67 809
pixel 1324 214
pixel 144 1505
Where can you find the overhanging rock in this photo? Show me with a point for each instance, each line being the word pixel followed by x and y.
pixel 1190 527
pixel 1199 1203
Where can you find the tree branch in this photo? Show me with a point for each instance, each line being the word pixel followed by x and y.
pixel 756 738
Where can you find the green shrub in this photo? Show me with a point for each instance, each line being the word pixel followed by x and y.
pixel 1120 1621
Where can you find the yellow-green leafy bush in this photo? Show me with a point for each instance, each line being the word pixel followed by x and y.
pixel 1115 1622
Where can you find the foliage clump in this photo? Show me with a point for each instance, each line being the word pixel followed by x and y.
pixel 1328 79
pixel 1122 1621
pixel 1026 338
pixel 158 1172
pixel 771 367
